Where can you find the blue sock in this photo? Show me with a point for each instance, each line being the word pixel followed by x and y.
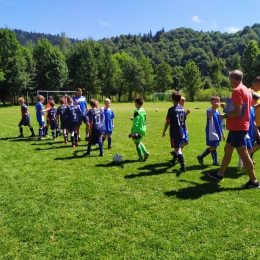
pixel 214 156
pixel 89 148
pixel 109 141
pixel 180 159
pixel 101 147
pixel 76 137
pixel 53 133
pixel 205 153
pixel 40 133
pixel 72 140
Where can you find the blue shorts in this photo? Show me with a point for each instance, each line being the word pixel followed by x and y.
pixel 237 138
pixel 54 125
pixel 212 143
pixel 72 127
pixel 82 119
pixel 176 142
pixel 108 133
pixel 25 121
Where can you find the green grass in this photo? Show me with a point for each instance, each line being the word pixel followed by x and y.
pixel 57 204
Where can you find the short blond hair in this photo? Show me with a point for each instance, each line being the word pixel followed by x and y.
pixel 40 97
pixel 21 99
pixel 107 100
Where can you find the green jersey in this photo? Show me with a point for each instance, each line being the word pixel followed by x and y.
pixel 139 122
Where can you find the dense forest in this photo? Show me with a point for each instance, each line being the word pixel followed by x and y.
pixel 124 66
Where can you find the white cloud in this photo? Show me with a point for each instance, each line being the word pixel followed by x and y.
pixel 196 19
pixel 231 29
pixel 103 23
pixel 215 25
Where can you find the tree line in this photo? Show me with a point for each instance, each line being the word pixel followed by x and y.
pixel 126 65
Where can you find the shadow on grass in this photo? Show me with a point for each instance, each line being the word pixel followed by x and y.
pixel 115 164
pixel 151 169
pixel 210 186
pixel 18 139
pixel 76 155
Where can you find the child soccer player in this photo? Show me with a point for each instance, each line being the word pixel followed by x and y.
pixel 138 130
pixel 48 106
pixel 213 132
pixel 72 113
pixel 40 115
pixel 109 123
pixel 176 120
pixel 60 112
pixel 53 120
pixel 95 126
pixel 253 132
pixel 185 140
pixel 25 118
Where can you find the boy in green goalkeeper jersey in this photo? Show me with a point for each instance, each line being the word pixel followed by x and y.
pixel 138 130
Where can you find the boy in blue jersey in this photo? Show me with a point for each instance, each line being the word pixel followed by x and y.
pixel 109 123
pixel 176 120
pixel 253 132
pixel 72 113
pixel 95 127
pixel 52 113
pixel 40 115
pixel 213 132
pixel 25 118
pixel 81 101
pixel 63 124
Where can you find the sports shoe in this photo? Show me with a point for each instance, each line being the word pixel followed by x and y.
pixel 110 148
pixel 40 139
pixel 73 146
pixel 140 160
pixel 173 162
pixel 32 135
pixel 76 143
pixel 200 160
pixel 182 169
pixel 65 141
pixel 21 135
pixel 101 154
pixel 250 184
pixel 215 176
pixel 146 156
pixel 86 153
pixel 216 164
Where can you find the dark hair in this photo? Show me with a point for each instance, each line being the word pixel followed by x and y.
pixel 236 74
pixel 257 80
pixel 139 100
pixel 176 96
pixel 52 104
pixel 93 103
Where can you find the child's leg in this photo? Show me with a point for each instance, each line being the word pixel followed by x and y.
pixel 21 130
pixel 139 151
pixel 57 132
pixel 240 162
pixel 205 153
pixel 214 155
pixel 53 133
pixel 65 135
pixel 146 154
pixel 180 158
pixel 101 151
pixel 104 137
pixel 109 141
pixel 31 129
pixel 76 137
pixel 72 138
pixel 40 132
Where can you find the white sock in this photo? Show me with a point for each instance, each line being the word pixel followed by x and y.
pixel 240 163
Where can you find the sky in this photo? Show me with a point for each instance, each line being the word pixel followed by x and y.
pixel 100 19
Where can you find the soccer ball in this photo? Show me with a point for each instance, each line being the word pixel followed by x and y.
pixel 117 158
pixel 156 110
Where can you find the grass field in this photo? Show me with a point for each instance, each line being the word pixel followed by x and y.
pixel 57 204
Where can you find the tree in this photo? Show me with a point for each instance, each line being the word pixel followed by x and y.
pixel 64 43
pixel 248 62
pixel 163 78
pixel 191 80
pixel 50 66
pixel 215 72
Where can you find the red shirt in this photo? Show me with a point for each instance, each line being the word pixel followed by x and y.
pixel 242 96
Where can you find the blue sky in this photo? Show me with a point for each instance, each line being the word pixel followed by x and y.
pixel 106 18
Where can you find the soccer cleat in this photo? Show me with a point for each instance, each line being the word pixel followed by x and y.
pixel 32 135
pixel 101 154
pixel 86 153
pixel 200 160
pixel 73 146
pixel 110 148
pixel 216 164
pixel 54 139
pixel 146 156
pixel 173 162
pixel 76 143
pixel 182 169
pixel 40 139
pixel 140 160
pixel 21 135
pixel 251 184
pixel 215 176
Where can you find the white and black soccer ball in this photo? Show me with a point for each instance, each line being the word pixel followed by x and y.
pixel 117 158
